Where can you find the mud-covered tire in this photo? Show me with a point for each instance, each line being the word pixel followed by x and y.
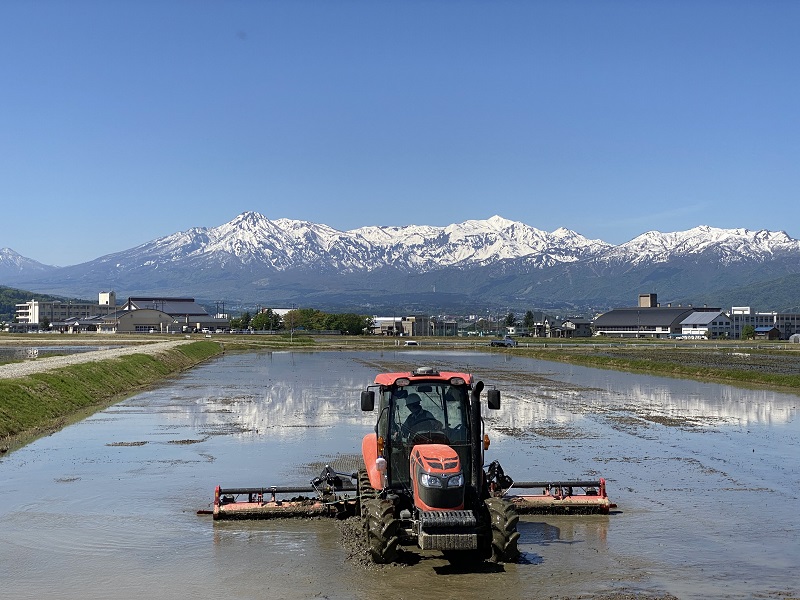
pixel 380 530
pixel 365 491
pixel 503 518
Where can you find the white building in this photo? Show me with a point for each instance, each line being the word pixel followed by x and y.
pixel 35 312
pixel 706 325
pixel 394 326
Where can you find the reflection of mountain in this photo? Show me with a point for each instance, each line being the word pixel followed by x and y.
pixel 278 394
pixel 294 404
pixel 694 403
pixel 540 404
pixel 279 406
pixel 715 404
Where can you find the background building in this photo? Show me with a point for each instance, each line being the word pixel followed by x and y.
pixel 786 323
pixel 706 325
pixel 648 319
pixel 34 313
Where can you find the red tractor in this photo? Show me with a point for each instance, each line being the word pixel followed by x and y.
pixel 423 481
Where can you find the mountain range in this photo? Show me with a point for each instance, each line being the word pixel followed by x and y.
pixel 468 267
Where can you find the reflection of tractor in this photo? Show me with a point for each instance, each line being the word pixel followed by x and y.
pixel 423 481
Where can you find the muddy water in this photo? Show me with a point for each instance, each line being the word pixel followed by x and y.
pixel 706 477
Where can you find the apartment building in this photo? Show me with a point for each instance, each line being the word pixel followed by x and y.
pixel 35 312
pixel 787 323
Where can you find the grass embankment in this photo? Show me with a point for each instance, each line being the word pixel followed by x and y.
pixel 43 402
pixel 692 364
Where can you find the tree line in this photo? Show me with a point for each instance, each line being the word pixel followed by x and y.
pixel 304 319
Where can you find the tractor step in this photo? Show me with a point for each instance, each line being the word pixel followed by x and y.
pixel 448 530
pixel 448 541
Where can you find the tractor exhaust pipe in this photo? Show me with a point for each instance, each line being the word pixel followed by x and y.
pixel 476 474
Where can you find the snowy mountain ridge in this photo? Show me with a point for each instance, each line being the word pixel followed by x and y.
pixel 286 243
pixel 478 261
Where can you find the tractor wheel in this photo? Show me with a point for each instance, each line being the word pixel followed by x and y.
pixel 365 491
pixel 503 516
pixel 380 530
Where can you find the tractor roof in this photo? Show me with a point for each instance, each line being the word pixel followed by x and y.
pixel 422 374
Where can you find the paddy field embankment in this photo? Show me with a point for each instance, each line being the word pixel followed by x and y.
pixel 42 395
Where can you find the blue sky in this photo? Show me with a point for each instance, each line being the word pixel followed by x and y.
pixel 121 122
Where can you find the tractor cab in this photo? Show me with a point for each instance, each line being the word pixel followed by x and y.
pixel 427 434
pixel 422 413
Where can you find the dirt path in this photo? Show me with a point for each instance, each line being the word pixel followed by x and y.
pixel 40 365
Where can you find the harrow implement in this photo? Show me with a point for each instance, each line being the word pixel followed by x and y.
pixel 331 499
pixel 562 497
pixel 556 497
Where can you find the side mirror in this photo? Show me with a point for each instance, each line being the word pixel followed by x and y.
pixel 367 400
pixel 493 396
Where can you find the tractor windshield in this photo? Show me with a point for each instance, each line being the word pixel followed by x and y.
pixel 423 413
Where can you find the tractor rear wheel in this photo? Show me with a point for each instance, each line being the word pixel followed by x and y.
pixel 365 491
pixel 380 530
pixel 503 517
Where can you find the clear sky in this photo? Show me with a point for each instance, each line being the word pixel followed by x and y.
pixel 124 121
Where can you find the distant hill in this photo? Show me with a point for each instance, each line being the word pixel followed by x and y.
pixel 779 295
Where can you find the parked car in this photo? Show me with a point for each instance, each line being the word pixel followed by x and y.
pixel 506 342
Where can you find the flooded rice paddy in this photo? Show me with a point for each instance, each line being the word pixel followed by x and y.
pixel 706 478
pixel 31 352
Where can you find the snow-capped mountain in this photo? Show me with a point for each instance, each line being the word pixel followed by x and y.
pixel 13 264
pixel 284 244
pixel 730 245
pixel 253 259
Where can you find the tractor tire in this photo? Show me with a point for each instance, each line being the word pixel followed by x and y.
pixel 503 517
pixel 380 530
pixel 365 491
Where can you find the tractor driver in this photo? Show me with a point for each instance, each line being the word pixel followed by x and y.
pixel 419 419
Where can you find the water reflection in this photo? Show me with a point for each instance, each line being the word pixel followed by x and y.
pixel 708 404
pixel 322 396
pixel 264 400
pixel 563 400
pixel 107 507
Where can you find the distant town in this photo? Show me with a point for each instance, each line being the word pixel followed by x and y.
pixel 647 319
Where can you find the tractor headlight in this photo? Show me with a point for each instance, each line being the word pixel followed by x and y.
pixel 430 481
pixel 456 481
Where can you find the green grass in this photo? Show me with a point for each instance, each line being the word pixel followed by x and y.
pixel 38 403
